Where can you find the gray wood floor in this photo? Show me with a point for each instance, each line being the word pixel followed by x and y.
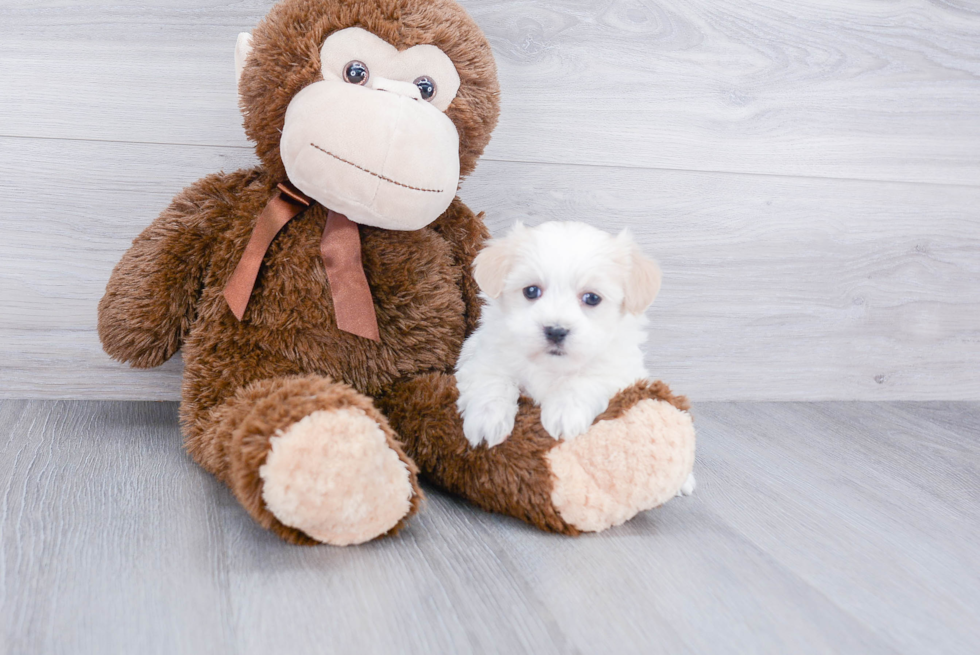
pixel 817 528
pixel 806 171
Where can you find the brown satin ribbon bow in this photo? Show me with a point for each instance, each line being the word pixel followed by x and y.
pixel 340 247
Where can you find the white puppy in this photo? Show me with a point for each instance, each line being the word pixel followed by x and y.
pixel 563 323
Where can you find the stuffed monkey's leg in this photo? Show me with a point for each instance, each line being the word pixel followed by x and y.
pixel 636 456
pixel 310 459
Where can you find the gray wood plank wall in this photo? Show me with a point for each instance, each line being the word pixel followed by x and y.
pixel 807 172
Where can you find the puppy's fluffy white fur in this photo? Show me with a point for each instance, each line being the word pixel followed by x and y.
pixel 539 283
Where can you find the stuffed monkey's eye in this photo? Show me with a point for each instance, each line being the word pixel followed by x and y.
pixel 427 87
pixel 355 72
pixel 591 299
pixel 532 292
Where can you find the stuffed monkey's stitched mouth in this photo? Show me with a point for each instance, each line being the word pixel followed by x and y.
pixel 380 177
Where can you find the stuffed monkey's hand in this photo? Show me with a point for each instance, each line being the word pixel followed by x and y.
pixel 151 298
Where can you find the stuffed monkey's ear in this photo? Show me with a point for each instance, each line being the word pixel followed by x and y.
pixel 242 47
pixel 643 282
pixel 492 264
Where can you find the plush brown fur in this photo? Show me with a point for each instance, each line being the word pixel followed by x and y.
pixel 166 293
pixel 513 478
pixel 246 381
pixel 286 57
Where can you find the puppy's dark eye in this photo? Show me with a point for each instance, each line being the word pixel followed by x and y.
pixel 427 87
pixel 532 292
pixel 591 299
pixel 356 72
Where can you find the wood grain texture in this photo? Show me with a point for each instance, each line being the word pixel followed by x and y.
pixel 723 134
pixel 873 506
pixel 106 536
pixel 861 89
pixel 816 527
pixel 804 288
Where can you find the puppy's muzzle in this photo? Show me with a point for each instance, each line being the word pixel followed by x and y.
pixel 555 334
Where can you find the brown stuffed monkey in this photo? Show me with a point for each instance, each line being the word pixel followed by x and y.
pixel 322 297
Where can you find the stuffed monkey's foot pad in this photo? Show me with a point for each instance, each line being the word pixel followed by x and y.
pixel 622 466
pixel 334 476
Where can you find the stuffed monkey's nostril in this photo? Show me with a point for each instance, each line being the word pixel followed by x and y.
pixel 555 334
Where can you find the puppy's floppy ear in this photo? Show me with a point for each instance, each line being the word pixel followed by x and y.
pixel 492 264
pixel 643 280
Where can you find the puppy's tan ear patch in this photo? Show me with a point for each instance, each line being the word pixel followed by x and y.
pixel 491 266
pixel 643 283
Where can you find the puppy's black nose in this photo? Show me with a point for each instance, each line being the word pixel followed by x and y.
pixel 555 334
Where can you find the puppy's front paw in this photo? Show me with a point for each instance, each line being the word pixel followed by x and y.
pixel 567 419
pixel 491 420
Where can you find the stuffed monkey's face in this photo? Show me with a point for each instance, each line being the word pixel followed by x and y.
pixel 371 140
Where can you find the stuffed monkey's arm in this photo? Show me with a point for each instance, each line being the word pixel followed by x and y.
pixel 466 234
pixel 150 300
